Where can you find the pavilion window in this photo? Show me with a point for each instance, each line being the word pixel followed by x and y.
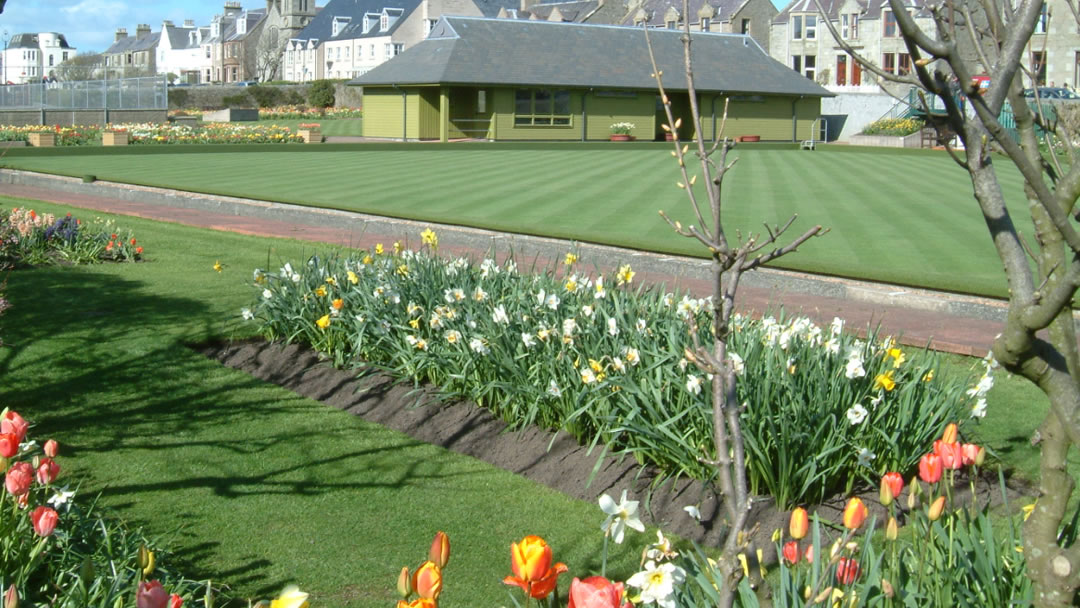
pixel 541 108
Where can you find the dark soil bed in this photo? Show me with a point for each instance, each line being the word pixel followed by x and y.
pixel 552 459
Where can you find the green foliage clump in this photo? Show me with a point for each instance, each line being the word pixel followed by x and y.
pixel 605 362
pixel 894 126
pixel 179 98
pixel 265 96
pixel 321 94
pixel 236 101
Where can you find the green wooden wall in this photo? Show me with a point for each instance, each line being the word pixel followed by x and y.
pixel 765 116
pixel 603 111
pixel 382 113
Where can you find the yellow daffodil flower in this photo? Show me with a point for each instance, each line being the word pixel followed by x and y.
pixel 323 322
pixel 378 249
pixel 291 597
pixel 320 291
pixel 625 275
pixel 428 237
pixel 570 259
pixel 218 266
pixel 353 278
pixel 884 381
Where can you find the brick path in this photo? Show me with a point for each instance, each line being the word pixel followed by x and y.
pixel 918 322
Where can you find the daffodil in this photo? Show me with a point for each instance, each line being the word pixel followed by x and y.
pixel 657 583
pixel 353 278
pixel 625 275
pixel 323 322
pixel 428 237
pixel 620 516
pixel 218 266
pixel 570 259
pixel 291 597
pixel 884 381
pixel 378 249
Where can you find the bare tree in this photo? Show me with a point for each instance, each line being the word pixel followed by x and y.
pixel 1039 340
pixel 84 66
pixel 731 258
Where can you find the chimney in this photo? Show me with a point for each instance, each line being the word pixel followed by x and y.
pixel 142 30
pixel 121 33
pixel 232 7
pixel 189 23
pixel 166 23
pixel 526 5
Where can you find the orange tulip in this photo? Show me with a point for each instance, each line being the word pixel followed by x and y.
pixel 930 468
pixel 847 571
pixel 530 561
pixel 422 602
pixel 951 454
pixel 440 549
pixel 799 523
pixel 854 514
pixel 809 554
pixel 936 508
pixel 427 580
pixel 950 434
pixel 891 486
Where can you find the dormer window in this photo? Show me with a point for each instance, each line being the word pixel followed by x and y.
pixel 339 25
pixel 803 26
pixel 384 22
pixel 889 29
pixel 849 26
pixel 706 23
pixel 370 20
pixel 672 25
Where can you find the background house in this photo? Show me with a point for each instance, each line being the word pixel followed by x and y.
pixel 130 56
pixel 560 81
pixel 31 57
pixel 178 51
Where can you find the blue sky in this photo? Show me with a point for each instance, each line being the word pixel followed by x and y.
pixel 89 25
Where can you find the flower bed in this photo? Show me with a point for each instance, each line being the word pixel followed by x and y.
pixel 157 133
pixel 30 238
pixel 590 355
pixel 290 113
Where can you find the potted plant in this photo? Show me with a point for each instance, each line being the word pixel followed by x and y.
pixel 620 131
pixel 310 132
pixel 115 136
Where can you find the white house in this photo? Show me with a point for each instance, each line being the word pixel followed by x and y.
pixel 180 52
pixel 32 57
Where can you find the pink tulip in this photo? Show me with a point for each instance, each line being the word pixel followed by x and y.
pixel 950 453
pixel 18 478
pixel 970 453
pixel 44 520
pixel 596 592
pixel 151 594
pixel 47 471
pixel 51 448
pixel 14 423
pixel 9 445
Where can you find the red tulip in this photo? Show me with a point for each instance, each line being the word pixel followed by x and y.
pixel 930 468
pixel 809 554
pixel 47 471
pixel 51 448
pixel 151 594
pixel 799 523
pixel 9 445
pixel 440 549
pixel 44 520
pixel 175 601
pixel 854 514
pixel 791 551
pixel 847 570
pixel 895 482
pixel 427 580
pixel 530 561
pixel 596 592
pixel 12 422
pixel 18 478
pixel 972 454
pixel 950 453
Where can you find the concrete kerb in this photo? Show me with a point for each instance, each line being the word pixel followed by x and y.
pixel 524 246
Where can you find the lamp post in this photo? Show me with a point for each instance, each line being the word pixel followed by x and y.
pixel 5 56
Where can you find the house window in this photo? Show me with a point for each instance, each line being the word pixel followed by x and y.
pixel 841 70
pixel 371 51
pixel 888 62
pixel 1044 20
pixel 811 27
pixel 672 25
pixel 389 50
pixel 50 60
pixel 746 26
pixel 796 63
pixel 896 63
pixel 1038 67
pixel 796 27
pixel 849 26
pixel 207 52
pixel 481 102
pixel 705 24
pixel 889 30
pixel 810 66
pixel 65 58
pixel 398 47
pixel 384 22
pixel 903 63
pixel 541 108
pixel 347 51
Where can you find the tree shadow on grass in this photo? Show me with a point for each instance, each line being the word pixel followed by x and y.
pixel 169 438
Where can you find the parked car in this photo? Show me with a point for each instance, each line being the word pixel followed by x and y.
pixel 246 83
pixel 1051 93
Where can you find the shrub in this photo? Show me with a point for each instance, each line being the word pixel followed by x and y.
pixel 265 96
pixel 236 101
pixel 321 94
pixel 894 126
pixel 178 98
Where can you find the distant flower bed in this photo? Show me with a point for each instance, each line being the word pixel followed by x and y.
pixel 894 126
pixel 591 355
pixel 80 135
pixel 211 133
pixel 289 113
pixel 28 238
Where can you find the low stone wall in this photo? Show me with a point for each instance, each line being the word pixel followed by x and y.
pixel 79 117
pixel 213 96
pixel 887 141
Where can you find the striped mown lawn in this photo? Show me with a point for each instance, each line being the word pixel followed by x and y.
pixel 905 217
pixel 329 127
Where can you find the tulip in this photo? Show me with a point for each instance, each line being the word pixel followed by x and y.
pixel 809 554
pixel 854 514
pixel 936 508
pixel 951 454
pixel 11 597
pixel 47 471
pixel 596 592
pixel 422 602
pixel 799 523
pixel 151 594
pixel 9 445
pixel 791 551
pixel 44 520
pixel 13 423
pixel 427 580
pixel 950 434
pixel 440 549
pixel 894 484
pixel 970 453
pixel 530 561
pixel 847 570
pixel 51 448
pixel 175 601
pixel 18 478
pixel 891 529
pixel 930 468
pixel 404 583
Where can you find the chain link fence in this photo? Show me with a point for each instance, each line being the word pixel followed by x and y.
pixel 149 93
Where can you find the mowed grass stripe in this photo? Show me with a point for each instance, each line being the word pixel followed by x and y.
pixel 896 216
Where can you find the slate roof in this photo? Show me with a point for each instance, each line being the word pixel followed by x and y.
pixel 321 26
pixel 571 11
pixel 23 41
pixel 231 33
pixel 179 37
pixel 469 50
pixel 869 9
pixel 122 45
pixel 656 10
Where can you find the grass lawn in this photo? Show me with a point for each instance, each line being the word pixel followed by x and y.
pixel 253 485
pixel 905 217
pixel 328 126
